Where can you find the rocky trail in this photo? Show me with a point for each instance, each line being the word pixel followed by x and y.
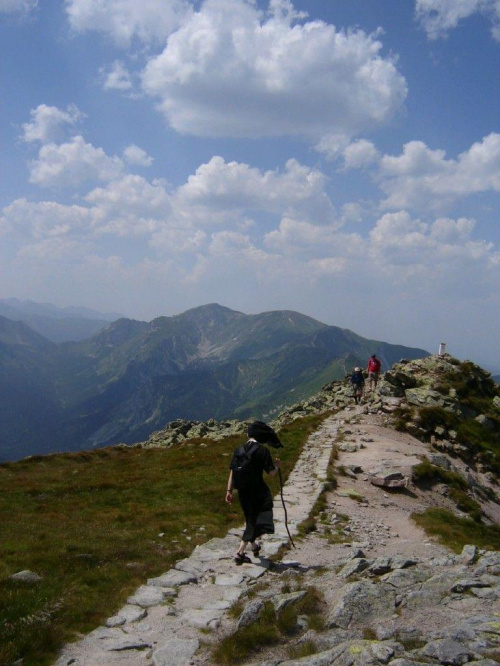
pixel 391 594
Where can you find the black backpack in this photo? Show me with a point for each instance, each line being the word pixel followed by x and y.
pixel 244 472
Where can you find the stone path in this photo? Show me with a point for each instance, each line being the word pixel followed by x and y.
pixel 163 623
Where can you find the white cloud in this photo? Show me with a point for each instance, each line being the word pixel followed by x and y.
pixel 412 248
pixel 230 219
pixel 333 145
pixel 122 20
pixel 130 206
pixel 135 155
pixel 48 123
pixel 230 70
pixel 303 239
pixel 439 16
pixel 116 77
pixel 45 219
pixel 220 189
pixel 17 6
pixel 360 154
pixel 421 178
pixel 73 163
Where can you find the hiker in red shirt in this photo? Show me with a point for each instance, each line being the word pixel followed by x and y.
pixel 373 371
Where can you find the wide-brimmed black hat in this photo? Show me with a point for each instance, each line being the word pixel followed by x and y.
pixel 264 434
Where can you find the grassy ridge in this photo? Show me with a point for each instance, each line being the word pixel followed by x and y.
pixel 89 523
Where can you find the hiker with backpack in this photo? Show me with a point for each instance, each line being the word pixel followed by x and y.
pixel 373 371
pixel 248 463
pixel 358 384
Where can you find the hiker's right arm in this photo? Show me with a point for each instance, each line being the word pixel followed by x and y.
pixel 229 491
pixel 277 465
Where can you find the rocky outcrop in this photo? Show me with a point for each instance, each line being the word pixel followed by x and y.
pixel 444 401
pixel 181 430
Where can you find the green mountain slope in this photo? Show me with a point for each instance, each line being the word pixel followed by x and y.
pixel 209 362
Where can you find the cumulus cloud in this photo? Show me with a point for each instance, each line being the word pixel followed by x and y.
pixel 116 77
pixel 303 239
pixel 124 20
pixel 233 197
pixel 48 123
pixel 230 219
pixel 135 155
pixel 421 178
pixel 129 206
pixel 17 6
pixel 360 154
pixel 333 145
pixel 73 163
pixel 427 249
pixel 439 16
pixel 232 70
pixel 45 219
pixel 231 186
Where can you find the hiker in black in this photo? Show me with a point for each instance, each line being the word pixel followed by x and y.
pixel 247 466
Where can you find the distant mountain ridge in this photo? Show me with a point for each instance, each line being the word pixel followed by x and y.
pixel 132 377
pixel 56 324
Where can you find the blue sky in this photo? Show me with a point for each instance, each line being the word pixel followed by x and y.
pixel 340 158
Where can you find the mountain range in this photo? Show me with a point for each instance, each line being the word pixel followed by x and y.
pixel 57 324
pixel 132 377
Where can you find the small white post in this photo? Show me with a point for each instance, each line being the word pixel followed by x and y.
pixel 442 349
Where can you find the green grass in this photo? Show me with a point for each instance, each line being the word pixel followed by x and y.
pixel 305 649
pixel 467 504
pixel 270 629
pixel 426 473
pixel 455 532
pixel 89 524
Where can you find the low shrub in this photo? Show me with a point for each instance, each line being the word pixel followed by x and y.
pixel 466 504
pixel 431 417
pixel 425 473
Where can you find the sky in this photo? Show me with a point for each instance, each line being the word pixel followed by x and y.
pixel 339 158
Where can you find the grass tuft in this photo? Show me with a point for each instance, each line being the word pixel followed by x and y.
pixel 270 629
pixel 426 473
pixel 302 650
pixel 456 532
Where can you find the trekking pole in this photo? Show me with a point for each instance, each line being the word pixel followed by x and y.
pixel 284 507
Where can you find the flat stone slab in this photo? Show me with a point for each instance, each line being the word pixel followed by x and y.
pixel 229 580
pixel 202 618
pixel 128 613
pixel 147 596
pixel 127 643
pixel 253 571
pixel 173 578
pixel 221 604
pixel 190 565
pixel 233 593
pixel 176 652
pixel 204 554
